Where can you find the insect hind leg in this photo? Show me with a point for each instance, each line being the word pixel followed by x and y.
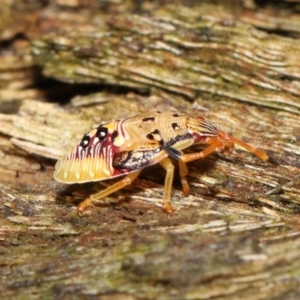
pixel 109 190
pixel 166 163
pixel 183 171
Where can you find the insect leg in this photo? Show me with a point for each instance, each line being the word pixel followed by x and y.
pixel 197 155
pixel 229 142
pixel 258 153
pixel 183 171
pixel 166 163
pixel 223 141
pixel 109 190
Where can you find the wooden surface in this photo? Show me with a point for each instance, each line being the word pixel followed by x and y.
pixel 69 66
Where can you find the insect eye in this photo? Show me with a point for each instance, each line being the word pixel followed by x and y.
pixel 85 141
pixel 101 133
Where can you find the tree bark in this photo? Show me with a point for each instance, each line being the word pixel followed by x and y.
pixel 71 65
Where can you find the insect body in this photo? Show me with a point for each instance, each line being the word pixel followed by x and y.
pixel 125 147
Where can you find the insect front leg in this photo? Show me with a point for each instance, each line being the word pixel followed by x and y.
pixel 183 158
pixel 197 155
pixel 109 190
pixel 257 152
pixel 215 143
pixel 166 163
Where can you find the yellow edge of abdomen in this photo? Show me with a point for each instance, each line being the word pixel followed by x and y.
pixel 82 170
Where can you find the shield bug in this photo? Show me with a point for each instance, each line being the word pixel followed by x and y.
pixel 125 147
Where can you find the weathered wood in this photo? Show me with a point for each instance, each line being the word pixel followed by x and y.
pixel 236 236
pixel 179 51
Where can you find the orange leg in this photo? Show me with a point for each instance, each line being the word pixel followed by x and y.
pixel 183 171
pixel 258 153
pixel 221 142
pixel 166 163
pixel 109 190
pixel 193 156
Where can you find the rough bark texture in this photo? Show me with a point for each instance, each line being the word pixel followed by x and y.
pixel 66 66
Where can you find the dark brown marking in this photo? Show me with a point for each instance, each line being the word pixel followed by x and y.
pixel 114 135
pixel 151 135
pixel 175 126
pixel 148 119
pixel 85 141
pixel 176 115
pixel 178 138
pixel 101 132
